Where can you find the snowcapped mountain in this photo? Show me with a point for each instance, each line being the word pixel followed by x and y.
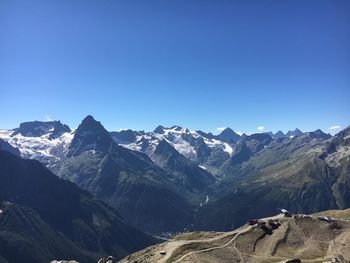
pixel 44 141
pixel 145 194
pixel 196 146
pixel 40 128
pixel 50 141
pixel 161 180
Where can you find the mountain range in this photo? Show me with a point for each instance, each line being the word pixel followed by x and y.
pixel 173 180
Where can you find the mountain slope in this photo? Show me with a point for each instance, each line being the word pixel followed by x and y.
pixel 5 146
pixel 145 195
pixel 337 157
pixel 58 211
pixel 289 173
pixel 191 176
pixel 25 237
pixel 308 238
pixel 228 135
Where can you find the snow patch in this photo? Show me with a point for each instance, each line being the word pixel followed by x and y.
pixel 40 148
pixel 203 167
pixel 227 148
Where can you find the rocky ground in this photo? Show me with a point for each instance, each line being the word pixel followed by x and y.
pixel 276 239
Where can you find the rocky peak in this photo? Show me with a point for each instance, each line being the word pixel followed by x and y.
pixel 279 134
pixel 228 135
pixel 90 136
pixel 296 132
pixel 159 129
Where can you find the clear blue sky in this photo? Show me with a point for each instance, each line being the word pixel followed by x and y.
pixel 200 64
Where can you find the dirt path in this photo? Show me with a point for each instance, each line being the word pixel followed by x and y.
pixel 237 251
pixel 174 245
pixel 246 229
pixel 340 245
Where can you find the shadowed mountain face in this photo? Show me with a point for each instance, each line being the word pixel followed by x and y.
pixel 44 217
pixel 228 135
pixel 294 133
pixel 90 136
pixel 242 154
pixel 5 146
pixel 25 237
pixel 190 175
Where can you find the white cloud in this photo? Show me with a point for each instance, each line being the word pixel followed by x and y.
pixel 48 118
pixel 239 133
pixel 335 127
pixel 220 129
pixel 260 128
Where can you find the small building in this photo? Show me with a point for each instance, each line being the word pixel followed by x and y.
pixel 261 223
pixel 252 222
pixel 324 218
pixel 286 213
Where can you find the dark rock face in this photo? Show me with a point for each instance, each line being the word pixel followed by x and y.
pixel 40 128
pixel 228 135
pixel 257 141
pixel 90 136
pixel 294 133
pixel 208 135
pixel 242 154
pixel 191 176
pixel 279 134
pixel 203 151
pixel 50 217
pixel 5 146
pixel 318 134
pixel 124 137
pixel 159 129
pixel 339 140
